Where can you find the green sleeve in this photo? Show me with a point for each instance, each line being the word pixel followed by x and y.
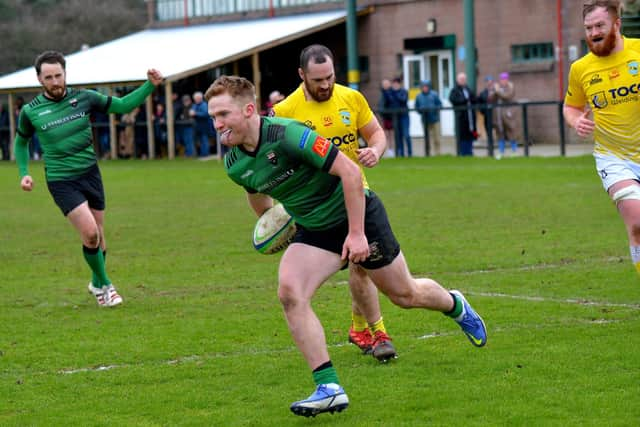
pixel 132 100
pixel 21 150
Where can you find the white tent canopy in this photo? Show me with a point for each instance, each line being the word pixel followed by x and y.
pixel 176 52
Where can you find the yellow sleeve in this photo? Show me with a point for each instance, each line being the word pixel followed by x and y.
pixel 575 95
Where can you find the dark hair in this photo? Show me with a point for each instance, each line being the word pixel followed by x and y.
pixel 50 57
pixel 614 7
pixel 316 52
pixel 235 86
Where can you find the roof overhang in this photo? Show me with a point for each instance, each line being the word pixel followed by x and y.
pixel 176 52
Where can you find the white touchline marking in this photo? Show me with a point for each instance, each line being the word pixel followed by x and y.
pixel 196 358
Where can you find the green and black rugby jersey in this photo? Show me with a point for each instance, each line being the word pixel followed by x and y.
pixel 291 164
pixel 63 128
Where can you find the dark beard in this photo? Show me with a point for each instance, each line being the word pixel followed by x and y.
pixel 604 47
pixel 56 97
pixel 320 98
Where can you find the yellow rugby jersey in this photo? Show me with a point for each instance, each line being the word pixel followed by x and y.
pixel 337 119
pixel 610 85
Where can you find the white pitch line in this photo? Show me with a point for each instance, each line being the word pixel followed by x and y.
pixel 576 301
pixel 196 358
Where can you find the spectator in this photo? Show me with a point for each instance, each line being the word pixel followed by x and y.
pixel 4 133
pixel 184 125
pixel 463 98
pixel 202 125
pixel 274 98
pixel 160 129
pixel 141 136
pixel 126 141
pixel 387 117
pixel 504 119
pixel 398 97
pixel 101 123
pixel 428 104
pixel 485 99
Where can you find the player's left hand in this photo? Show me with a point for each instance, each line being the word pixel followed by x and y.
pixel 355 248
pixel 368 157
pixel 154 76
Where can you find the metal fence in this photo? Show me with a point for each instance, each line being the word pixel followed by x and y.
pixel 539 124
pixel 170 10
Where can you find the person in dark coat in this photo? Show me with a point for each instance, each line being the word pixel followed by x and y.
pixel 462 96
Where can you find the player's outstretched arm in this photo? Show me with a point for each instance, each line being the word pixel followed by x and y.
pixel 132 100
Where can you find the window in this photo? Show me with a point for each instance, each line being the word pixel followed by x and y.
pixel 533 52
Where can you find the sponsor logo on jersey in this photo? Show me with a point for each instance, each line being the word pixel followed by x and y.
pixel 614 74
pixel 632 67
pixel 342 140
pixel 599 99
pixel 327 121
pixel 265 188
pixel 321 146
pixel 63 120
pixel 345 116
pixel 595 79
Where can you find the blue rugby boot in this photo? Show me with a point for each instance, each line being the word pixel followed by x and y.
pixel 471 323
pixel 327 398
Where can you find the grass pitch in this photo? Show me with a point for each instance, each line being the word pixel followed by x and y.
pixel 200 340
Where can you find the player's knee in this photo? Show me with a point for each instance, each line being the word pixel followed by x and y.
pixel 289 294
pixel 91 238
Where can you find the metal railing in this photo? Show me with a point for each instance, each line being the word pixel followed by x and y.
pixel 171 10
pixel 490 109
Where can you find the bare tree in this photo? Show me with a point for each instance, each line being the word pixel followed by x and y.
pixel 28 27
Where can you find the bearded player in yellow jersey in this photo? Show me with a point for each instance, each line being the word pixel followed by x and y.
pixel 606 83
pixel 342 115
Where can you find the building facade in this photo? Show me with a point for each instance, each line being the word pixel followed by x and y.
pixel 534 41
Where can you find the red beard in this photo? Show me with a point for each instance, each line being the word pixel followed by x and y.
pixel 604 46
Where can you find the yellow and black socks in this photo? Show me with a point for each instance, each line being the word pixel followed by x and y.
pixel 358 321
pixel 95 259
pixel 378 326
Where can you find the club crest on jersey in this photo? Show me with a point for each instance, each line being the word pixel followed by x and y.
pixel 73 102
pixel 321 146
pixel 632 67
pixel 599 100
pixel 327 121
pixel 345 116
pixel 273 159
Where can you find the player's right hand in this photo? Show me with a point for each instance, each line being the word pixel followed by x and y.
pixel 584 126
pixel 26 183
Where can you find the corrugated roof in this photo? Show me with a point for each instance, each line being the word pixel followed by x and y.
pixel 176 52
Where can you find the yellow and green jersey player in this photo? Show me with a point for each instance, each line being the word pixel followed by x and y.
pixel 603 100
pixel 343 116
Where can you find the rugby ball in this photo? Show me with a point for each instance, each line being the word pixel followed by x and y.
pixel 273 231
